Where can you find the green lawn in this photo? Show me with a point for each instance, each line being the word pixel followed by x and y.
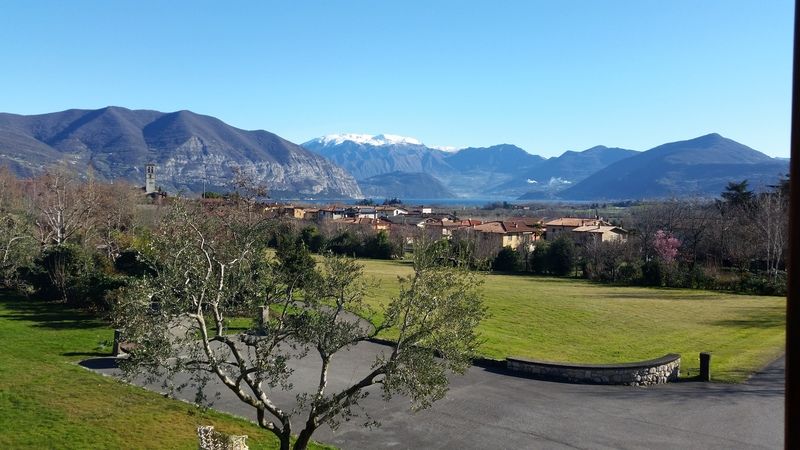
pixel 577 321
pixel 48 401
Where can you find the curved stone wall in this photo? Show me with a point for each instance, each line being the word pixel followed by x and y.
pixel 655 371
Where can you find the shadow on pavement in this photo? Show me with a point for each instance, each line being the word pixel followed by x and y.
pixel 108 362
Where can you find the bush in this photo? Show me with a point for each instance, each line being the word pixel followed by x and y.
pixel 652 275
pixel 313 239
pixel 539 258
pixel 561 256
pixel 763 285
pixel 379 246
pixel 129 263
pixel 68 273
pixel 345 243
pixel 628 273
pixel 507 260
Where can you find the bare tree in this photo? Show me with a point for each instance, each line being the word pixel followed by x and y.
pixel 771 221
pixel 63 206
pixel 114 216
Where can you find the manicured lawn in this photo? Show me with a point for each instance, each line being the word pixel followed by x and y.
pixel 576 321
pixel 48 401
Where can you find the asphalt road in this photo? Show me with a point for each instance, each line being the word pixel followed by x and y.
pixel 491 409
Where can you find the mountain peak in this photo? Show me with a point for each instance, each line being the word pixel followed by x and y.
pixel 367 139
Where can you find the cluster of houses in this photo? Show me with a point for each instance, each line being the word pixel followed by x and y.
pixel 516 233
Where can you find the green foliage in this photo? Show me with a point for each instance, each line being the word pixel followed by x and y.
pixel 628 273
pixel 561 256
pixel 436 314
pixel 345 243
pixel 379 246
pixel 653 273
pixel 313 239
pixel 539 258
pixel 212 194
pixel 17 246
pixel 130 262
pixel 375 245
pixel 737 194
pixel 70 274
pixel 295 262
pixel 508 260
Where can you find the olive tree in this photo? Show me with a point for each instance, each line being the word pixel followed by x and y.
pixel 207 270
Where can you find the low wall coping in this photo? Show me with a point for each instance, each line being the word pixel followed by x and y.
pixel 666 359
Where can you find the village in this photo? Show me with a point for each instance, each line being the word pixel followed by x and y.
pixel 518 233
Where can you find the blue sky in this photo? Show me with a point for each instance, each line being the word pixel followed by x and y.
pixel 547 76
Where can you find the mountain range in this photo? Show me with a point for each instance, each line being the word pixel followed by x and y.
pixel 503 170
pixel 697 167
pixel 190 151
pixel 469 172
pixel 193 152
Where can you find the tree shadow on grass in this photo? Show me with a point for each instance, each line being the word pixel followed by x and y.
pixel 46 314
pixel 765 317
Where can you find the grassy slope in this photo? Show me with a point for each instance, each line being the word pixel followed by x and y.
pixel 577 321
pixel 48 401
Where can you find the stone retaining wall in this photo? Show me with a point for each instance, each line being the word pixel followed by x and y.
pixel 656 371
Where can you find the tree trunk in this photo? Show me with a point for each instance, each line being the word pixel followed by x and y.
pixel 304 438
pixel 286 439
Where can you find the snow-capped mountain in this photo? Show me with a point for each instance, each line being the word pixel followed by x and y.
pixel 366 139
pixel 466 172
pixel 366 156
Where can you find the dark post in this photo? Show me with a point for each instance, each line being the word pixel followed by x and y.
pixel 117 339
pixel 791 431
pixel 705 366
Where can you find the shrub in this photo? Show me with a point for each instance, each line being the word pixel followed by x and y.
pixel 628 273
pixel 129 263
pixel 507 260
pixel 652 275
pixel 313 239
pixel 538 258
pixel 379 246
pixel 345 243
pixel 68 273
pixel 561 256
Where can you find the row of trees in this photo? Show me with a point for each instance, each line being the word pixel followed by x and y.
pixel 61 236
pixel 359 241
pixel 736 243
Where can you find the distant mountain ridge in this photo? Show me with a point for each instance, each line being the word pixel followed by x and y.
pixel 695 167
pixel 554 174
pixel 500 170
pixel 188 149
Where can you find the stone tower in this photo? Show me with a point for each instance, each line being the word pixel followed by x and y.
pixel 150 181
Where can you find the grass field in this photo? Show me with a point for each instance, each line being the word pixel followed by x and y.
pixel 48 401
pixel 577 321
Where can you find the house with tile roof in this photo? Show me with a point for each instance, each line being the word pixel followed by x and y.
pixel 558 227
pixel 514 234
pixel 599 233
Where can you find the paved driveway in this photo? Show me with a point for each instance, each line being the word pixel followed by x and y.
pixel 488 409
